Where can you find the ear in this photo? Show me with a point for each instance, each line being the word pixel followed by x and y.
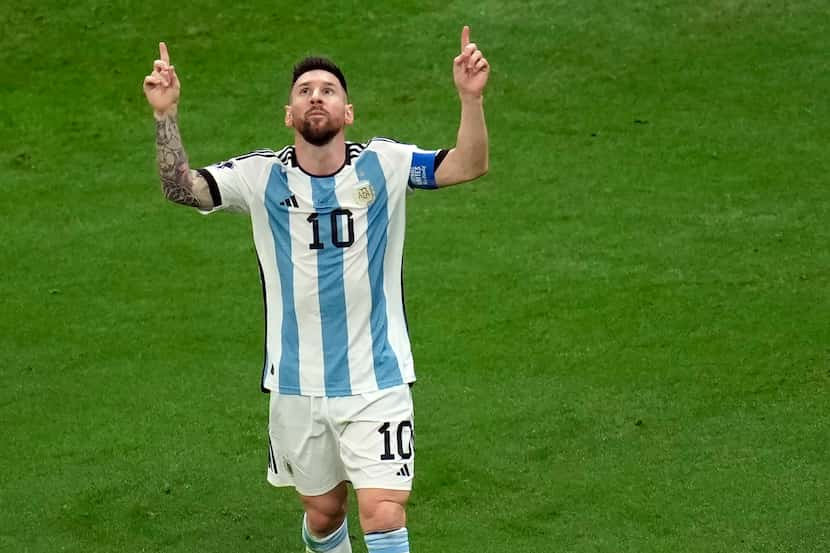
pixel 349 116
pixel 289 119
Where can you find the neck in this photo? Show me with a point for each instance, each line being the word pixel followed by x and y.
pixel 320 160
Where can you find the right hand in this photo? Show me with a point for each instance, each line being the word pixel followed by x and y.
pixel 162 87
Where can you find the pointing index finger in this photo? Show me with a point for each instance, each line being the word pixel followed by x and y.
pixel 465 37
pixel 165 57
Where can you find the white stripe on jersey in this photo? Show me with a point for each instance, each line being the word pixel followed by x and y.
pixel 355 262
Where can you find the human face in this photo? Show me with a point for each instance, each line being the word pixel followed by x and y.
pixel 318 107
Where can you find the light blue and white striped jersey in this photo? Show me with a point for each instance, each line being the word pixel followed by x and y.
pixel 330 250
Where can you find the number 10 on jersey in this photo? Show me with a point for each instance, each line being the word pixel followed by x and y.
pixel 404 440
pixel 341 225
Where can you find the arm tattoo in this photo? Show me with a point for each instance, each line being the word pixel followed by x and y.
pixel 174 170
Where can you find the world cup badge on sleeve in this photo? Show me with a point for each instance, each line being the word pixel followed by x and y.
pixel 364 194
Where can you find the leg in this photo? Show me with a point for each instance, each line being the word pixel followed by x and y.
pixel 303 454
pixel 378 451
pixel 382 510
pixel 324 525
pixel 383 519
pixel 325 513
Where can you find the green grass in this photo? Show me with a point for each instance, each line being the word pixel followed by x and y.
pixel 621 333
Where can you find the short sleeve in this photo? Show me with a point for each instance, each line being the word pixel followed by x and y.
pixel 423 166
pixel 229 189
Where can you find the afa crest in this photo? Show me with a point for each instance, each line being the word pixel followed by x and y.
pixel 364 195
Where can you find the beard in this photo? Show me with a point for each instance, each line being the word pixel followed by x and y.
pixel 318 135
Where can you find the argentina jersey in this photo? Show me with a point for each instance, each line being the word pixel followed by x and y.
pixel 330 250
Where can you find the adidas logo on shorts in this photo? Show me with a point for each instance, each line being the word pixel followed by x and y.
pixel 404 471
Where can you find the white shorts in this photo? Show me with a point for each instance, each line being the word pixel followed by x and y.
pixel 317 442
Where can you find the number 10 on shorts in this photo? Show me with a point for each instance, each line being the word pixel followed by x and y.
pixel 404 437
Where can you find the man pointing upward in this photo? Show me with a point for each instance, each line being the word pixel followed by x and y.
pixel 328 220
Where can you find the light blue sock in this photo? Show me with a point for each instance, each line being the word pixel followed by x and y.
pixel 396 541
pixel 336 542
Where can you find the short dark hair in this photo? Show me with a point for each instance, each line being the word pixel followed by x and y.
pixel 313 63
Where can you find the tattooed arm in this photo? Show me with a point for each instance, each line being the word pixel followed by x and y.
pixel 179 183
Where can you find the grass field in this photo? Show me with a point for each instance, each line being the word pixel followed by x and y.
pixel 622 333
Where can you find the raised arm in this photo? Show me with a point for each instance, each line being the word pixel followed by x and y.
pixel 470 157
pixel 179 183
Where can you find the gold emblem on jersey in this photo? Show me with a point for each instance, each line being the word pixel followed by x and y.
pixel 364 194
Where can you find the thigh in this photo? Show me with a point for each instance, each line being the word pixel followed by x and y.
pixel 377 442
pixel 330 503
pixel 303 450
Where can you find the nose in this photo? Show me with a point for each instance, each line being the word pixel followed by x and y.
pixel 316 96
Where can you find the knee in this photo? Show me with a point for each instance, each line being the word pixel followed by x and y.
pixel 323 523
pixel 382 515
pixel 325 513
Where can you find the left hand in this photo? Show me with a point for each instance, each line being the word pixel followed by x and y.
pixel 162 87
pixel 470 68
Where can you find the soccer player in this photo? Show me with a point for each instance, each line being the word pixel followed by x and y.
pixel 328 221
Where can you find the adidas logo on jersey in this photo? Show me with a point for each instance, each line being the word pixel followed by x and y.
pixel 404 471
pixel 291 201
